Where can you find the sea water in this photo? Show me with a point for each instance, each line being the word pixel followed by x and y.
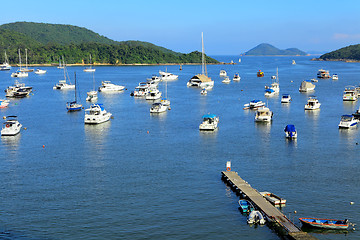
pixel 143 176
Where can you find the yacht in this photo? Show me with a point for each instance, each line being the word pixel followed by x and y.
pixel 96 114
pixel 62 85
pixel 323 73
pixel 154 79
pixel 263 114
pixel 254 104
pixel 4 103
pixel 19 74
pixel 165 76
pixel 312 103
pixel 203 92
pixel 306 86
pixel 107 86
pixel 335 77
pixel 141 90
pixel 236 77
pixel 18 90
pixel 226 80
pixel 153 94
pixel 348 121
pixel 158 107
pixel 11 127
pixel 223 73
pixel 350 94
pixel 290 131
pixel 286 98
pixel 92 96
pixel 210 122
pixel 39 71
pixel 274 87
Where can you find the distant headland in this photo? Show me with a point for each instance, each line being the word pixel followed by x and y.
pixel 265 49
pixel 347 54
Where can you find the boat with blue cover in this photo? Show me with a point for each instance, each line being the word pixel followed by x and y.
pixel 74 105
pixel 245 206
pixel 348 121
pixel 290 131
pixel 325 223
pixel 210 122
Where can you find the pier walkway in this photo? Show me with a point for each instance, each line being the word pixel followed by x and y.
pixel 272 213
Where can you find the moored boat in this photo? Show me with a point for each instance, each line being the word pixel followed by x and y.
pixel 325 223
pixel 350 94
pixel 312 103
pixel 203 92
pixel 263 114
pixel 236 77
pixel 39 71
pixel 255 217
pixel 158 107
pixel 210 122
pixel 4 103
pixel 323 73
pixel 107 86
pixel 306 86
pixel 357 114
pixel 166 76
pixel 226 80
pixel 286 98
pixel 290 131
pixel 254 104
pixel 348 121
pixel 335 77
pixel 96 114
pixel 11 126
pixel 223 73
pixel 273 199
pixel 260 73
pixel 245 206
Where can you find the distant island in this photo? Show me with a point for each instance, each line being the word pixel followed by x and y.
pixel 46 43
pixel 347 54
pixel 265 49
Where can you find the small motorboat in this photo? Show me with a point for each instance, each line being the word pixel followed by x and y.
pixel 335 77
pixel 223 73
pixel 290 131
pixel 166 76
pixel 11 126
pixel 246 206
pixel 40 71
pixel 210 122
pixel 18 90
pixel 236 77
pixel 312 104
pixel 153 94
pixel 350 94
pixel 348 121
pixel 62 85
pixel 203 92
pixel 325 223
pixel 226 80
pixel 158 107
pixel 19 74
pixel 254 104
pixel 4 103
pixel 263 114
pixel 273 199
pixel 154 78
pixel 286 98
pixel 255 217
pixel 260 73
pixel 323 73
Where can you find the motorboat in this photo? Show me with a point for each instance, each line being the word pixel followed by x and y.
pixel 325 223
pixel 74 105
pixel 323 73
pixel 273 199
pixel 92 96
pixel 254 104
pixel 290 131
pixel 357 114
pixel 4 103
pixel 223 73
pixel 245 206
pixel 19 74
pixel 348 121
pixel 274 88
pixel 350 94
pixel 260 73
pixel 203 92
pixel 153 94
pixel 107 86
pixel 263 114
pixel 5 66
pixel 314 80
pixel 96 114
pixel 236 77
pixel 89 69
pixel 226 80
pixel 335 77
pixel 165 76
pixel 255 217
pixel 40 71
pixel 312 103
pixel 306 86
pixel 286 98
pixel 18 90
pixel 210 122
pixel 11 127
pixel 141 90
pixel 293 62
pixel 62 85
pixel 154 78
pixel 158 107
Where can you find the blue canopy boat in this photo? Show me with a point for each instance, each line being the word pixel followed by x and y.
pixel 325 223
pixel 74 105
pixel 245 206
pixel 290 131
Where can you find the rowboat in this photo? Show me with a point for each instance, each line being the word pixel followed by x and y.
pixel 245 206
pixel 325 223
pixel 273 199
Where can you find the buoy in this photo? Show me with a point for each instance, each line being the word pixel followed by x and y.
pixel 292 81
pixel 228 166
pixel 357 143
pixel 147 132
pixel 4 117
pixel 43 146
pixel 295 211
pixel 25 128
pixel 169 108
pixel 351 203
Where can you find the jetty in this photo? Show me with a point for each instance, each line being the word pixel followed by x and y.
pixel 276 218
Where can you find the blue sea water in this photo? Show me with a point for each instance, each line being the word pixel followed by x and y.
pixel 142 176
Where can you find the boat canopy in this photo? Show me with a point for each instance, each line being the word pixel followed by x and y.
pixel 255 101
pixel 290 128
pixel 202 78
pixel 269 90
pixel 209 116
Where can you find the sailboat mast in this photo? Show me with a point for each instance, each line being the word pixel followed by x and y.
pixel 19 59
pixel 75 86
pixel 204 70
pixel 26 58
pixel 277 75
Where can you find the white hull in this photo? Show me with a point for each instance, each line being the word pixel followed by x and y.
pixel 92 96
pixel 97 119
pixel 107 86
pixel 19 74
pixel 11 128
pixel 39 71
pixel 89 70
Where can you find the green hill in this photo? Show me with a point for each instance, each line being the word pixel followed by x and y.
pixel 47 42
pixel 266 49
pixel 348 53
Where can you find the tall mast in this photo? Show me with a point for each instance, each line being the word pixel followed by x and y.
pixel 26 58
pixel 19 59
pixel 277 75
pixel 204 70
pixel 75 86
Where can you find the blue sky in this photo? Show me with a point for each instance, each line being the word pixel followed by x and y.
pixel 230 27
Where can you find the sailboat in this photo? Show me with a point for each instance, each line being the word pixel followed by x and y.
pixel 61 66
pixel 165 101
pixel 26 69
pixel 201 80
pixel 89 69
pixel 62 84
pixel 19 73
pixel 5 66
pixel 92 95
pixel 274 87
pixel 74 106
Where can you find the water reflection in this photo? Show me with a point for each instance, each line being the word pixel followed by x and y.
pixel 97 133
pixel 291 142
pixel 159 116
pixel 312 114
pixel 11 142
pixel 209 134
pixel 349 136
pixel 349 106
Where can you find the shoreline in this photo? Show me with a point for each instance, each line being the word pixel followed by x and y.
pixel 119 65
pixel 336 60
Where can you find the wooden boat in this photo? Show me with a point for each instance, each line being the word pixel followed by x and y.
pixel 245 206
pixel 260 73
pixel 325 223
pixel 273 199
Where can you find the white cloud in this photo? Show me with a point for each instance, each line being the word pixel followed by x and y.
pixel 344 36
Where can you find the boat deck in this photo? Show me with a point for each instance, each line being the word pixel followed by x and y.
pixel 271 212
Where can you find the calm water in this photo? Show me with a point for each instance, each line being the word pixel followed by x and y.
pixel 142 176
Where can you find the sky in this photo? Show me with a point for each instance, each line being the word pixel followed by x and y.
pixel 230 27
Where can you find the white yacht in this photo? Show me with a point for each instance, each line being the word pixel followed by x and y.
pixel 165 76
pixel 348 121
pixel 263 114
pixel 40 71
pixel 226 80
pixel 306 86
pixel 96 114
pixel 5 66
pixel 350 94
pixel 63 84
pixel 236 77
pixel 335 77
pixel 210 122
pixel 11 126
pixel 254 104
pixel 141 90
pixel 19 74
pixel 154 78
pixel 153 94
pixel 312 104
pixel 158 107
pixel 4 103
pixel 107 86
pixel 323 73
pixel 274 87
pixel 18 90
pixel 223 73
pixel 286 98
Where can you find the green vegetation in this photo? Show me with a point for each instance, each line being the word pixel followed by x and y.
pixel 46 43
pixel 351 52
pixel 266 49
